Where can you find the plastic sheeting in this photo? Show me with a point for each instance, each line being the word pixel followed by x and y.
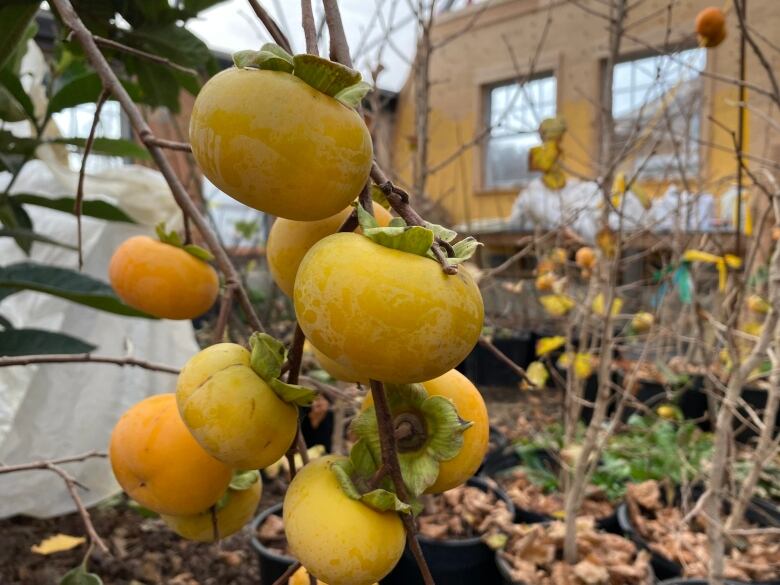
pixel 579 205
pixel 50 411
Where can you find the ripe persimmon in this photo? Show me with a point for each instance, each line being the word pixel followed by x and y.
pixel 711 27
pixel 161 279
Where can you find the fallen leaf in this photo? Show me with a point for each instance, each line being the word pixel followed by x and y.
pixel 57 543
pixel 557 305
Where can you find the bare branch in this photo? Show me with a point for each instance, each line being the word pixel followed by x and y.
pixel 271 26
pixel 66 358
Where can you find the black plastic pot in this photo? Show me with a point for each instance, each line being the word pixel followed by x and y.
pixel 452 562
pixel 683 581
pixel 499 445
pixel 272 564
pixel 760 512
pixel 483 368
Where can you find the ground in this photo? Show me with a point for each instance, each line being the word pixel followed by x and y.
pixel 147 553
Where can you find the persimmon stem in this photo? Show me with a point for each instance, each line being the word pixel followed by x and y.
pixel 294 359
pixel 389 452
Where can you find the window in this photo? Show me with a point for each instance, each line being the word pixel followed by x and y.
pixel 656 106
pixel 514 113
pixel 76 122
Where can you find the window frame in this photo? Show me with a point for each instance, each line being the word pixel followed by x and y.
pixel 486 91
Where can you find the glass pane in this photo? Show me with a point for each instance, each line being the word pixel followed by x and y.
pixel 514 115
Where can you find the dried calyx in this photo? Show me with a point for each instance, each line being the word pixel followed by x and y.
pixel 333 79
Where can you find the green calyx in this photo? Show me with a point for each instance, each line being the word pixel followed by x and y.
pixel 356 477
pixel 428 431
pixel 416 239
pixel 241 481
pixel 333 79
pixel 268 355
pixel 174 239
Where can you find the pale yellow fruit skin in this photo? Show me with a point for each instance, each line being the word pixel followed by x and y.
pixel 336 370
pixel 471 407
pixel 301 577
pixel 385 314
pixel 274 143
pixel 232 517
pixel 289 241
pixel 234 415
pixel 339 540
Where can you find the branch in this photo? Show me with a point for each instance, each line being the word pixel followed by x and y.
pixel 309 27
pixel 339 48
pixel 285 577
pixel 66 358
pixel 390 461
pixel 109 44
pixel 114 87
pixel 225 308
pixel 78 204
pixel 71 484
pixel 271 26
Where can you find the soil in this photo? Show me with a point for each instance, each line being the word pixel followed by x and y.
pixel 145 552
pixel 755 557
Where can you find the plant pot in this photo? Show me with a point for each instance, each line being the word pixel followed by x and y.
pixel 683 581
pixel 272 564
pixel 760 512
pixel 649 393
pixel 483 368
pixel 452 562
pixel 506 577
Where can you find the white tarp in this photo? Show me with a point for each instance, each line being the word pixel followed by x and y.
pixel 57 410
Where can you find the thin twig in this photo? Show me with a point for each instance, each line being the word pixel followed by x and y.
pixel 112 84
pixel 486 343
pixel 271 26
pixel 285 577
pixel 339 48
pixel 109 44
pixel 78 204
pixel 169 144
pixel 71 484
pixel 66 358
pixel 225 307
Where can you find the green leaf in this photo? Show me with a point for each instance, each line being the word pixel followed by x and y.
pixel 14 150
pixel 14 216
pixel 441 232
pixel 323 75
pixel 15 94
pixel 17 342
pixel 109 147
pixel 30 236
pixel 353 95
pixel 79 576
pixel 267 357
pixel 66 284
pixel 413 239
pixel 365 219
pixel 293 393
pixel 15 18
pixel 158 84
pixel 270 57
pixel 243 480
pixel 464 250
pixel 83 89
pixel 385 501
pixel 98 209
pixel 198 252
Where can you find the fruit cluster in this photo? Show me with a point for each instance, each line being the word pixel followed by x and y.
pixel 281 134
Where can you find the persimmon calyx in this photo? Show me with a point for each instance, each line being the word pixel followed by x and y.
pixel 416 239
pixel 268 355
pixel 174 239
pixel 356 478
pixel 436 435
pixel 333 79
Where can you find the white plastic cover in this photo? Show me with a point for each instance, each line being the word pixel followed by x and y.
pixel 57 410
